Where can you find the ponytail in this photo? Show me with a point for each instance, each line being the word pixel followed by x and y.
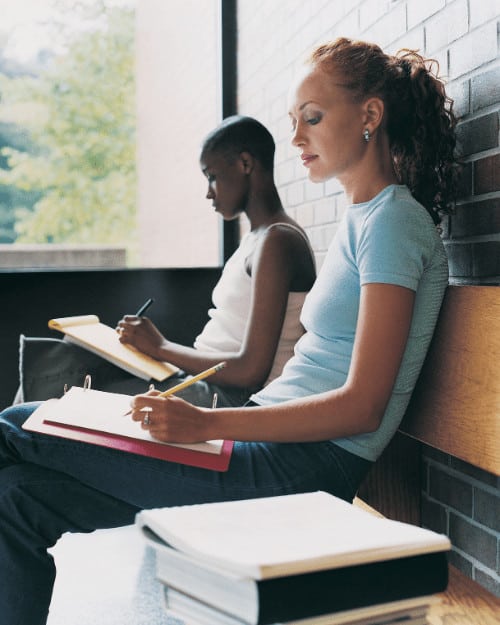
pixel 421 128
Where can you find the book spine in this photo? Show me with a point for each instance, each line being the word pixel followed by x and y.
pixel 312 594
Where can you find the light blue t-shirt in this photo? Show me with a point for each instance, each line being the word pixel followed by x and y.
pixel 391 239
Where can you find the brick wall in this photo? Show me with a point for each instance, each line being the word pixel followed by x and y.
pixel 462 35
pixel 463 502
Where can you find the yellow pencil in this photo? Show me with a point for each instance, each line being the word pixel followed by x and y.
pixel 200 376
pixel 186 383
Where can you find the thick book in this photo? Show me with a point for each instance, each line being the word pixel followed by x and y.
pixel 290 557
pixel 88 332
pixel 187 609
pixel 99 418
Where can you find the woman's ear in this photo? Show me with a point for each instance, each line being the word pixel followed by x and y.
pixel 247 162
pixel 373 113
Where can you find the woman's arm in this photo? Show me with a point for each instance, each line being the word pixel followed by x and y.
pixel 276 264
pixel 356 407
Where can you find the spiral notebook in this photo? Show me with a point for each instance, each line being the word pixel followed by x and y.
pixel 99 418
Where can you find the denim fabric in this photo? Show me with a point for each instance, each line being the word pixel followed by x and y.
pixel 50 485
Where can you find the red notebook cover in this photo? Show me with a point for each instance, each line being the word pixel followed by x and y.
pixel 216 462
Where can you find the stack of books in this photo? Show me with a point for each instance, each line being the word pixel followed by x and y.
pixel 307 559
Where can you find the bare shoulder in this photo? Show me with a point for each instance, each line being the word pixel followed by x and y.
pixel 288 234
pixel 288 242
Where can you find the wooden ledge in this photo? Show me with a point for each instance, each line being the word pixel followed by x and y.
pixel 456 403
pixel 465 602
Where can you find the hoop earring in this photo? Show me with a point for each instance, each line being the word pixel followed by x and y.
pixel 366 135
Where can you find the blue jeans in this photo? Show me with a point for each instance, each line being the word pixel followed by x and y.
pixel 50 485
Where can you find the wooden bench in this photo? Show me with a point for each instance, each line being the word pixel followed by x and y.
pixel 455 408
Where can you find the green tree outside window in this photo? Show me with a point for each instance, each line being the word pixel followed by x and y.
pixel 79 114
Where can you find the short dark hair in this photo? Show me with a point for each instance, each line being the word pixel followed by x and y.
pixel 240 133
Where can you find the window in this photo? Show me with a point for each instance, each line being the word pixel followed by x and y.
pixel 100 127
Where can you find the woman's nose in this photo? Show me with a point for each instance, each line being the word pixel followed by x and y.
pixel 297 138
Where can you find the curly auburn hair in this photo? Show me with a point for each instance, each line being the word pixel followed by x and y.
pixel 418 116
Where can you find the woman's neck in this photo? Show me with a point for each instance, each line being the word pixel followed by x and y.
pixel 265 208
pixel 372 174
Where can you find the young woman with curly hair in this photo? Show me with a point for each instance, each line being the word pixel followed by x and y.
pixel 384 128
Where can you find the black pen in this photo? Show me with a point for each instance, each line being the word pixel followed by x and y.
pixel 144 307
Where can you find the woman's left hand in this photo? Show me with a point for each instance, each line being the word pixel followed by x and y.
pixel 171 419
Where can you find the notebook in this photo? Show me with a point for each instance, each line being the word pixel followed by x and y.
pixel 99 418
pixel 88 332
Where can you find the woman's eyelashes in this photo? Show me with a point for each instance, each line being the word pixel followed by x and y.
pixel 312 120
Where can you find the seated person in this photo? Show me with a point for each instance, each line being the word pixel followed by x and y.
pixel 254 324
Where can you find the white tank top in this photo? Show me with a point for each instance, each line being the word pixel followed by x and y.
pixel 225 330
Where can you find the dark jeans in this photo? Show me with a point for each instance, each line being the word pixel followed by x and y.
pixel 50 485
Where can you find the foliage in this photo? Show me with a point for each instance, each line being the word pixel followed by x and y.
pixel 11 196
pixel 80 114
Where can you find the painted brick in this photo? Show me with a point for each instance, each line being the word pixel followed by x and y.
pixel 461 563
pixel 459 92
pixel 348 26
pixel 465 182
pixel 473 50
pixel 327 233
pixel 388 28
pixel 450 490
pixel 476 473
pixel 436 455
pixel 478 134
pixel 447 26
pixel 459 259
pixel 313 190
pixel 482 11
pixel 413 40
pixel 420 11
pixel 476 218
pixel 473 540
pixel 285 172
pixel 487 508
pixel 324 211
pixel 486 259
pixel 424 476
pixel 492 584
pixel 487 174
pixel 316 238
pixel 486 89
pixel 300 171
pixel 433 516
pixel 332 187
pixel 279 108
pixel 370 11
pixel 305 215
pixel 445 226
pixel 294 193
pixel 320 259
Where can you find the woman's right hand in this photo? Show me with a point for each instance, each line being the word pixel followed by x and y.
pixel 141 333
pixel 171 419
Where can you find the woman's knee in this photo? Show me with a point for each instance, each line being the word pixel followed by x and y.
pixel 17 415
